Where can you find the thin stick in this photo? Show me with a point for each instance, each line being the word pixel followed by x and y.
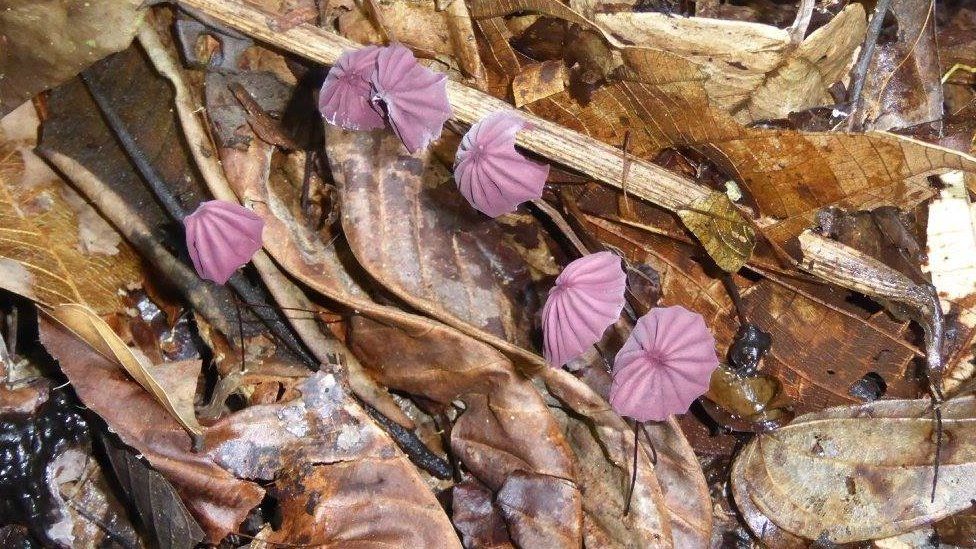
pixel 855 97
pixel 633 474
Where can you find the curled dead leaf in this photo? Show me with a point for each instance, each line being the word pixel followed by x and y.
pixel 176 396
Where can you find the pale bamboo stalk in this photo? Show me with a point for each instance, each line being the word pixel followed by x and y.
pixel 585 154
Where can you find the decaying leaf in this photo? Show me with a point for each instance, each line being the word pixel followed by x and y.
pixel 47 42
pixel 217 500
pixel 54 248
pixel 174 389
pixel 412 230
pixel 951 239
pixel 752 71
pixel 721 230
pixel 858 473
pixel 902 86
pixel 539 80
pixel 324 453
pixel 659 98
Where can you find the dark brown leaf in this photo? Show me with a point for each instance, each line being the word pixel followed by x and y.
pixel 413 231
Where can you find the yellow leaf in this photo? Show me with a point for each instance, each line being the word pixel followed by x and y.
pixel 718 225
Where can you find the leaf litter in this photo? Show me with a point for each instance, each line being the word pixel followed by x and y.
pixel 379 364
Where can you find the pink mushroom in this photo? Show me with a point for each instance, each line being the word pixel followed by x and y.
pixel 413 97
pixel 346 96
pixel 222 236
pixel 587 299
pixel 490 173
pixel 664 366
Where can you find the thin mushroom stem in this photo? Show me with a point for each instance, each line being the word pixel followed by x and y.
pixel 633 473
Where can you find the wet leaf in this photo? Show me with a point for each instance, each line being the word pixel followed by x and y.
pixel 721 230
pixel 477 517
pixel 858 473
pixel 217 500
pixel 54 247
pixel 173 385
pixel 412 230
pixel 47 42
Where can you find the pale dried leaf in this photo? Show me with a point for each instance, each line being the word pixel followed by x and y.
pixel 858 473
pixel 753 71
pixel 53 247
pixel 723 233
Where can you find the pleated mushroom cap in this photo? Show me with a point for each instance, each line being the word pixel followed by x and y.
pixel 493 176
pixel 222 237
pixel 666 363
pixel 346 96
pixel 413 96
pixel 587 299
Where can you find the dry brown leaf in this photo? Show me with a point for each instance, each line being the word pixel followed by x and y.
pixel 176 396
pixel 717 224
pixel 538 81
pixel 858 473
pixel 54 248
pixel 324 453
pixel 752 71
pixel 218 500
pixel 814 330
pixel 47 42
pixel 412 231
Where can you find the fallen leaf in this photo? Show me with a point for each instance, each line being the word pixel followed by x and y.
pixel 47 42
pixel 865 472
pixel 505 425
pixel 659 98
pixel 413 231
pixel 902 86
pixel 45 253
pixel 604 446
pixel 217 500
pixel 154 499
pixel 538 81
pixel 176 396
pixel 324 454
pixel 477 517
pixel 951 240
pixel 752 71
pixel 717 224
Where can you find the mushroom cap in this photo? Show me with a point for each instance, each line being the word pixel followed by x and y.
pixel 413 96
pixel 490 173
pixel 345 98
pixel 666 363
pixel 221 237
pixel 587 299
